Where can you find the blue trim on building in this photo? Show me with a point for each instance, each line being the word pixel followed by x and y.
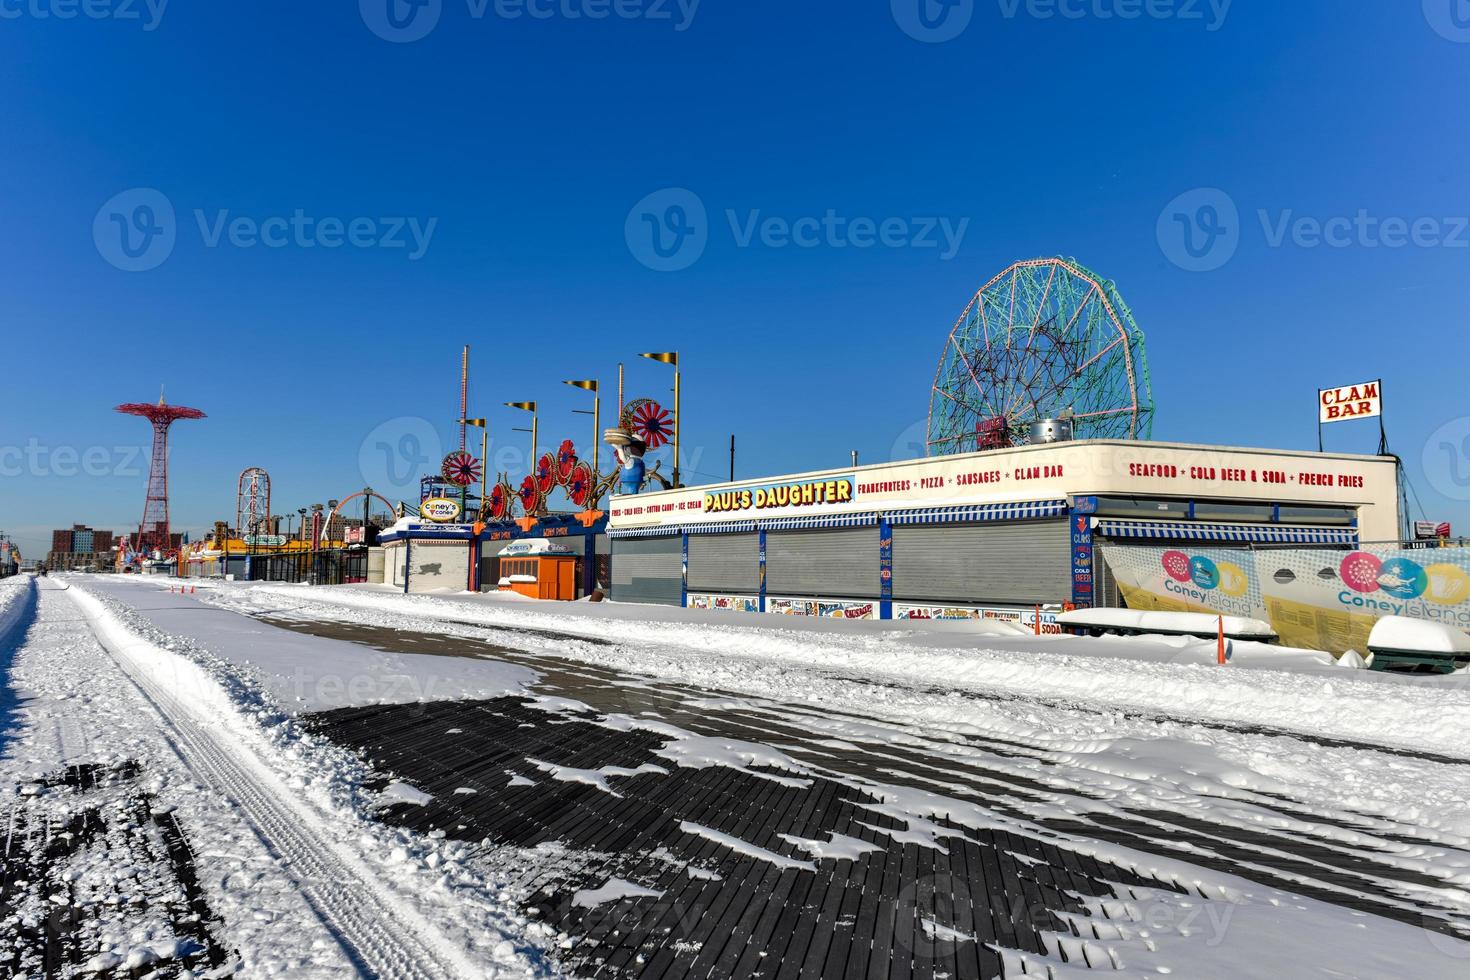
pixel 684 571
pixel 1245 533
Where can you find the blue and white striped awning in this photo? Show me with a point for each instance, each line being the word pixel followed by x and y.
pixel 666 531
pixel 721 527
pixel 1251 533
pixel 1023 511
pixel 826 520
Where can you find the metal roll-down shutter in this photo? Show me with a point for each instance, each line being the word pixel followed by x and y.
pixel 837 564
pixel 1005 563
pixel 724 563
pixel 648 570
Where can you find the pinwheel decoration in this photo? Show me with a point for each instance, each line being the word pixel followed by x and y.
pixel 566 458
pixel 579 483
pixel 648 420
pixel 531 495
pixel 546 474
pixel 462 469
pixel 499 502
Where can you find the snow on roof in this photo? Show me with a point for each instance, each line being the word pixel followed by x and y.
pixel 1403 633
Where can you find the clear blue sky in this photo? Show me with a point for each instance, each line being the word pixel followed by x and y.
pixel 528 140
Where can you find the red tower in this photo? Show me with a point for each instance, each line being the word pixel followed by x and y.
pixel 153 531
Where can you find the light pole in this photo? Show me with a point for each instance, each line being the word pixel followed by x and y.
pixel 596 420
pixel 672 358
pixel 535 429
pixel 484 426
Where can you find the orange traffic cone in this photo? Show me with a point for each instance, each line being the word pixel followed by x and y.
pixel 1220 644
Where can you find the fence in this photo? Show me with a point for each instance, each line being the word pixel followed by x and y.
pixel 332 567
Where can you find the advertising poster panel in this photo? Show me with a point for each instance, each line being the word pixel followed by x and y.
pixel 1329 600
pixel 1316 599
pixel 1200 580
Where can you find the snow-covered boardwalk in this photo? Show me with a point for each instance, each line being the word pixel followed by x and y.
pixel 457 787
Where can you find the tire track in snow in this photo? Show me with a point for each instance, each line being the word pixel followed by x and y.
pixel 382 938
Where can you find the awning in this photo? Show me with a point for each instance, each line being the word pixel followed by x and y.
pixel 722 527
pixel 1023 511
pixel 1246 533
pixel 670 530
pixel 828 520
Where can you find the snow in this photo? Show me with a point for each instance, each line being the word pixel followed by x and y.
pixel 1263 685
pixel 1402 633
pixel 1149 621
pixel 1106 726
pixel 615 890
pixel 744 848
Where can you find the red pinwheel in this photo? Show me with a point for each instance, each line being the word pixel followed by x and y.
pixel 579 484
pixel 652 424
pixel 499 504
pixel 546 474
pixel 566 459
pixel 462 469
pixel 530 495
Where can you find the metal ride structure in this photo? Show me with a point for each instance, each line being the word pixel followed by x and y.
pixel 153 533
pixel 1044 339
pixel 252 500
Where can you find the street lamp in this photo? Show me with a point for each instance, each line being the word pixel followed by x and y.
pixel 484 426
pixel 535 428
pixel 672 358
pixel 596 420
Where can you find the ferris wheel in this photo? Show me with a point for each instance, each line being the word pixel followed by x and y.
pixel 1045 339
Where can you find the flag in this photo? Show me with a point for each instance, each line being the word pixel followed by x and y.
pixel 584 385
pixel 523 406
pixel 477 423
pixel 669 357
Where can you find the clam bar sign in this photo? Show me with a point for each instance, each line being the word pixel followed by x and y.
pixel 1352 402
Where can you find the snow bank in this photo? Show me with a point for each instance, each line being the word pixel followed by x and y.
pixel 17 598
pixel 1265 686
pixel 1148 621
pixel 1402 633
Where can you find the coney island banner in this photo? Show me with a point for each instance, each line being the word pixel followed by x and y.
pixel 1316 599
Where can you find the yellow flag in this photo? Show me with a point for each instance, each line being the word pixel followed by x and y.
pixel 584 385
pixel 668 357
pixel 523 406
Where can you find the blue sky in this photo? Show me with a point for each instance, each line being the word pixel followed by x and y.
pixel 519 145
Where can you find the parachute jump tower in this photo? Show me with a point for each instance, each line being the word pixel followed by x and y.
pixel 153 531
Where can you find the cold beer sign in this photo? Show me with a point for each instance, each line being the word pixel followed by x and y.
pixel 1352 402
